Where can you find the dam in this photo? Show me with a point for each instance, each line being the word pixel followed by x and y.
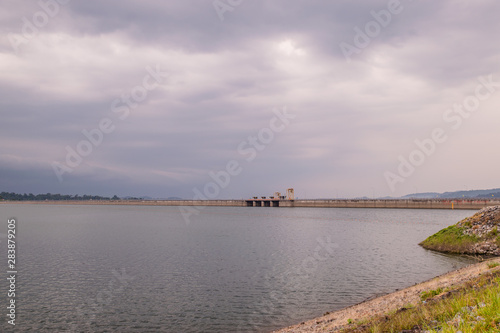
pixel 347 203
pixel 473 204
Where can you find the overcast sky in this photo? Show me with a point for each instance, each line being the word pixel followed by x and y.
pixel 169 91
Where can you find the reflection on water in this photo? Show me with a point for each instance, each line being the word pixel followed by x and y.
pixel 142 269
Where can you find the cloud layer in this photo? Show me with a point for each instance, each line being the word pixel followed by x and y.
pixel 67 65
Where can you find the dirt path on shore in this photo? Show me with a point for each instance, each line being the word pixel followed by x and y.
pixel 381 305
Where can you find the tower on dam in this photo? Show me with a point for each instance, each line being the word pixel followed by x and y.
pixel 273 200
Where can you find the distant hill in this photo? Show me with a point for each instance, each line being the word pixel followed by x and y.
pixel 473 194
pixel 490 195
pixel 425 195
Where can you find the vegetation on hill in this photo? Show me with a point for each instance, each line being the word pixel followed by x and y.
pixel 477 235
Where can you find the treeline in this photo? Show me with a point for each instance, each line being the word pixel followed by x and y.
pixel 489 195
pixel 51 197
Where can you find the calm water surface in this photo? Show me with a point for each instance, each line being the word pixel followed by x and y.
pixel 144 269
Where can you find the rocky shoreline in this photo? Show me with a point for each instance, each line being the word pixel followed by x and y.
pixel 339 320
pixel 484 225
pixel 475 235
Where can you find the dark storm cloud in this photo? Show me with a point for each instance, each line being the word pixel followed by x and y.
pixel 220 81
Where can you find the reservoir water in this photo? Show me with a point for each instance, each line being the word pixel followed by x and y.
pixel 229 269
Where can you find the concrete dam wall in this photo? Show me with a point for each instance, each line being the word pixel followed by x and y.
pixel 402 204
pixel 408 204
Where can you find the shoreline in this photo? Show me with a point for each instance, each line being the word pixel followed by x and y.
pixel 338 320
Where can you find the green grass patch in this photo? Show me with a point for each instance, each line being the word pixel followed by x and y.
pixel 493 233
pixel 493 264
pixel 430 293
pixel 472 307
pixel 451 239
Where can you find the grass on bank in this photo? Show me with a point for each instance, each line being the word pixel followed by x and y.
pixel 430 293
pixel 493 264
pixel 451 240
pixel 472 307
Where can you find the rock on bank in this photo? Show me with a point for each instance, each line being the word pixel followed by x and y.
pixel 476 235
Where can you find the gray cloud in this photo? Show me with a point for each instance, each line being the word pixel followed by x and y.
pixel 354 119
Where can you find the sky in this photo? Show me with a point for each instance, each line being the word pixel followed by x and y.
pixel 235 98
